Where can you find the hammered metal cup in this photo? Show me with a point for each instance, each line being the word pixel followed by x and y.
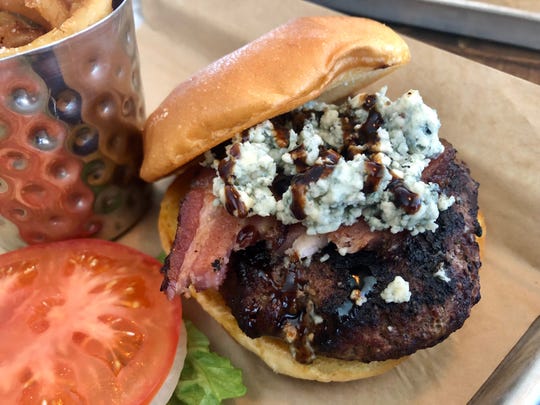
pixel 71 115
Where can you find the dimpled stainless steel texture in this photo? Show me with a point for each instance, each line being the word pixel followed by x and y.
pixel 70 136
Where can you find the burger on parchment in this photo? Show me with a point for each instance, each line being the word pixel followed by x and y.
pixel 330 232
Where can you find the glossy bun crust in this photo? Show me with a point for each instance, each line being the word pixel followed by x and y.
pixel 308 58
pixel 275 353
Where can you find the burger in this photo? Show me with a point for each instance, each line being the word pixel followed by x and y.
pixel 329 231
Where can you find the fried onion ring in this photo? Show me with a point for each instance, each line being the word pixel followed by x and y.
pixel 61 18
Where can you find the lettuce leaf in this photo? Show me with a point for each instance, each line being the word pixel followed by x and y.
pixel 207 378
pixel 161 256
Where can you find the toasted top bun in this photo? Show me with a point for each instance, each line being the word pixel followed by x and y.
pixel 308 58
pixel 84 13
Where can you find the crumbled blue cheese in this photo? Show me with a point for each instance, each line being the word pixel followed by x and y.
pixel 396 291
pixel 407 139
pixel 412 127
pixel 334 200
pixel 441 273
pixel 385 214
pixel 329 128
pixel 254 174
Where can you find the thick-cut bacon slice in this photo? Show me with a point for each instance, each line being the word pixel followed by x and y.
pixel 206 236
pixel 204 239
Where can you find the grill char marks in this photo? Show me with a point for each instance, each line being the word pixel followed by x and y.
pixel 311 307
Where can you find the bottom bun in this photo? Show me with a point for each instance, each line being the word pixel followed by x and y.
pixel 275 353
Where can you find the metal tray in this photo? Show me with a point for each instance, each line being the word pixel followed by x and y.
pixel 469 18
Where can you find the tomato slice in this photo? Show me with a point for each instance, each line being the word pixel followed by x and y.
pixel 83 321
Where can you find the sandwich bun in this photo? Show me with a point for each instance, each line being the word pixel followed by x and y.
pixel 323 58
pixel 326 58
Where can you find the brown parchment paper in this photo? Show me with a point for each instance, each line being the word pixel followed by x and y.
pixel 493 120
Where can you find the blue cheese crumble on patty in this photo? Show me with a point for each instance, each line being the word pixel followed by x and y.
pixel 326 165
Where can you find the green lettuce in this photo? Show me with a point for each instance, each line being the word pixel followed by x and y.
pixel 161 256
pixel 207 378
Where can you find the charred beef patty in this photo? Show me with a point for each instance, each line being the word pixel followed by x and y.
pixel 333 306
